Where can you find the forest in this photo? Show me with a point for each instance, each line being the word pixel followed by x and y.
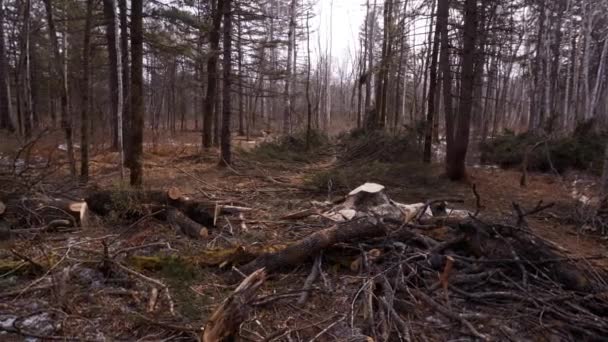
pixel 303 170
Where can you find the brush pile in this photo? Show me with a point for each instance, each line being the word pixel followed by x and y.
pixel 379 271
pixel 438 274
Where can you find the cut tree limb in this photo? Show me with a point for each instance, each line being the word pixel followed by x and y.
pixel 311 245
pixel 224 323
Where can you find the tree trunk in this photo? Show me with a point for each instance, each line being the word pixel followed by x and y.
pixel 84 117
pixel 28 117
pixel 66 121
pixel 124 59
pixel 287 92
pixel 109 10
pixel 443 11
pixel 430 117
pixel 5 118
pixel 137 93
pixel 308 104
pixel 226 155
pixel 456 169
pixel 240 76
pixel 116 80
pixel 210 99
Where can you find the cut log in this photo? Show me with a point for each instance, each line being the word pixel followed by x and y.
pixel 123 201
pixel 186 225
pixel 223 325
pixel 311 245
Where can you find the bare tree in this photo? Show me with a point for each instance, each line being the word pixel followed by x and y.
pixel 5 118
pixel 66 121
pixel 137 94
pixel 226 154
pixel 84 117
pixel 210 99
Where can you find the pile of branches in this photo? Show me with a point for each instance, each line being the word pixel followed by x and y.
pixel 363 147
pixel 444 277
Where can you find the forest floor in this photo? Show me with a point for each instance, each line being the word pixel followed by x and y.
pixel 67 294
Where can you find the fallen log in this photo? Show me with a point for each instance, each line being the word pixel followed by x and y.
pixel 310 246
pixel 129 203
pixel 223 325
pixel 187 226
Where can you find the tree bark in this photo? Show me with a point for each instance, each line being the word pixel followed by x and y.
pixel 455 165
pixel 443 11
pixel 66 121
pixel 311 245
pixel 308 103
pixel 28 117
pixel 430 117
pixel 84 116
pixel 5 118
pixel 124 56
pixel 240 76
pixel 210 99
pixel 288 80
pixel 109 10
pixel 137 93
pixel 226 154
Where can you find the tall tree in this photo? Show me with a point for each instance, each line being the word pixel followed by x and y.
pixel 287 111
pixel 109 10
pixel 455 166
pixel 210 99
pixel 5 117
pixel 84 117
pixel 28 117
pixel 124 56
pixel 226 155
pixel 66 121
pixel 430 117
pixel 137 93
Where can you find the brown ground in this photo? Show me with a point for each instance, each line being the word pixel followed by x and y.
pixel 272 190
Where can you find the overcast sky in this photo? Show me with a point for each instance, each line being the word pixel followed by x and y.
pixel 348 16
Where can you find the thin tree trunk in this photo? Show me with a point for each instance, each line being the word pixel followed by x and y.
pixel 287 110
pixel 84 117
pixel 29 108
pixel 5 118
pixel 66 122
pixel 109 9
pixel 240 75
pixel 428 128
pixel 226 155
pixel 446 71
pixel 124 66
pixel 308 104
pixel 137 93
pixel 210 99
